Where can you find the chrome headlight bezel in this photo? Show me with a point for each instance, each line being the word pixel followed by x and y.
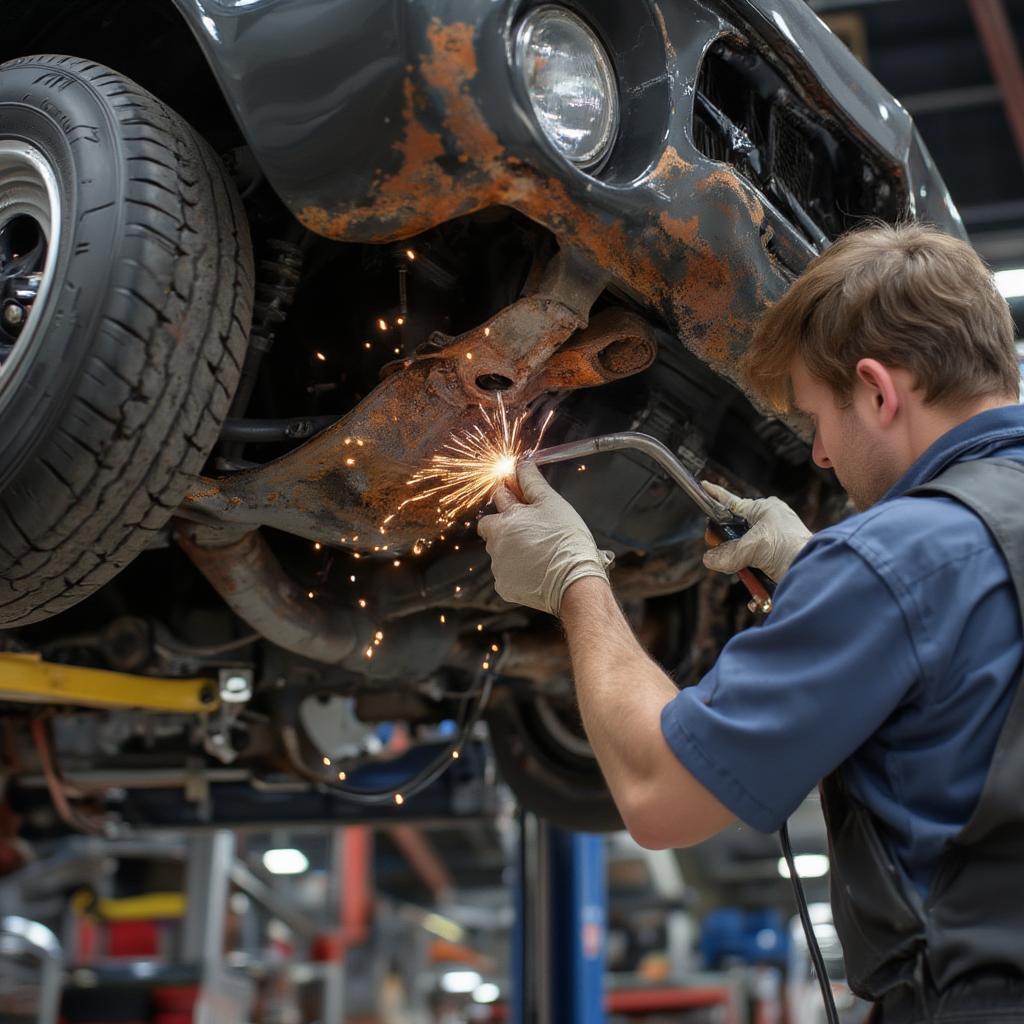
pixel 606 134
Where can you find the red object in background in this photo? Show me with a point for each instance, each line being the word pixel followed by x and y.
pixel 645 1001
pixel 86 945
pixel 650 1002
pixel 133 938
pixel 328 947
pixel 357 884
pixel 174 1005
pixel 175 999
pixel 355 867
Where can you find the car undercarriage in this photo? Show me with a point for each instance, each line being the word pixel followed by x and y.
pixel 323 621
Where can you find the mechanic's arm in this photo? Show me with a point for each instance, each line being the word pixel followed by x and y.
pixel 543 556
pixel 621 694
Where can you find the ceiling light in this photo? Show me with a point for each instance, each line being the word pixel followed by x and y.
pixel 1010 283
pixel 808 865
pixel 285 861
pixel 820 913
pixel 443 928
pixel 487 992
pixel 460 981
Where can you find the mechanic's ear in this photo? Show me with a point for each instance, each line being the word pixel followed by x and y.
pixel 881 385
pixel 532 482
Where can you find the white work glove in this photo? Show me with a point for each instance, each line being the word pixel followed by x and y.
pixel 538 548
pixel 776 535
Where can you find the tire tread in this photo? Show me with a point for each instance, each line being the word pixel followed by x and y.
pixel 165 359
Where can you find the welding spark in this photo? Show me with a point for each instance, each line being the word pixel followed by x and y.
pixel 470 467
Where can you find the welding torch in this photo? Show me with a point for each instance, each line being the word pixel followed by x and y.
pixel 722 525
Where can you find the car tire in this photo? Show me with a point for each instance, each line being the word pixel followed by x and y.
pixel 549 766
pixel 120 372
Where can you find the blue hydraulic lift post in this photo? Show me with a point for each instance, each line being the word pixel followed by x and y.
pixel 559 937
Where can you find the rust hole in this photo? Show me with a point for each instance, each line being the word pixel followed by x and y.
pixel 623 357
pixel 494 382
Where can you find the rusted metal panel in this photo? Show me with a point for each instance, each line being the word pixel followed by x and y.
pixel 346 485
pixel 688 245
pixel 615 345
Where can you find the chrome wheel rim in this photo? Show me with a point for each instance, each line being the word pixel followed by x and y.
pixel 30 230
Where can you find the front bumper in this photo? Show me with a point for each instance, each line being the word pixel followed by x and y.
pixel 377 121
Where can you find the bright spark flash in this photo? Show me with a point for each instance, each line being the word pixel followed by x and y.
pixel 468 469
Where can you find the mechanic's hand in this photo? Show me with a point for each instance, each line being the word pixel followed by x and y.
pixel 539 547
pixel 776 535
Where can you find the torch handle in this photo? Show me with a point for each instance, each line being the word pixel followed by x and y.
pixel 759 586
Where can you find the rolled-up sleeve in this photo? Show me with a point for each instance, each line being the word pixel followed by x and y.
pixel 791 699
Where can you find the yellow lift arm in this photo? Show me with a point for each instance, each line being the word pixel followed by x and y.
pixel 27 679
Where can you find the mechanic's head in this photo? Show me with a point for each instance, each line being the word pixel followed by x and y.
pixel 887 340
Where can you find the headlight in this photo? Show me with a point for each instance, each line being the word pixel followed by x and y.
pixel 570 82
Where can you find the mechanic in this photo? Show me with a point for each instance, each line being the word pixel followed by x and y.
pixel 893 655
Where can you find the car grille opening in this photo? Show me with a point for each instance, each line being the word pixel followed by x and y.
pixel 821 178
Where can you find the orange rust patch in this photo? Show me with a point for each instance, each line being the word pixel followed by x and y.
pixel 452 62
pixel 421 194
pixel 209 492
pixel 670 164
pixel 703 298
pixel 685 231
pixel 448 68
pixel 708 287
pixel 397 194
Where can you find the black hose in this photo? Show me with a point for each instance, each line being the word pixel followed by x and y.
pixel 805 919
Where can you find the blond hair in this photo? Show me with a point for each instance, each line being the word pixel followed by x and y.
pixel 909 296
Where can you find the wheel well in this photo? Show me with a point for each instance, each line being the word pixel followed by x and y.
pixel 146 40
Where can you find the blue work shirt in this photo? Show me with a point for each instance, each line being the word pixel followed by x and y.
pixel 894 645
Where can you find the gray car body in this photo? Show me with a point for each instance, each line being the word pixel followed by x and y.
pixel 374 121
